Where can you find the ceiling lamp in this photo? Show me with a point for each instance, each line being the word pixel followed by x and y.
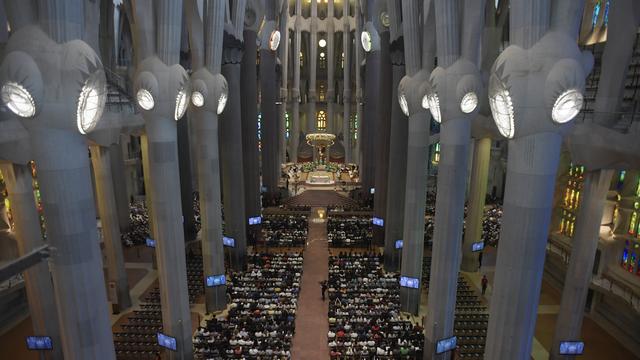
pixel 404 106
pixel 222 100
pixel 18 99
pixel 322 55
pixel 197 99
pixel 567 106
pixel 434 106
pixel 322 43
pixel 274 40
pixel 469 102
pixel 181 104
pixel 425 102
pixel 502 107
pixel 90 104
pixel 145 99
pixel 365 39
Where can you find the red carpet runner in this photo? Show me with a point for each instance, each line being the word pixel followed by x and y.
pixel 310 340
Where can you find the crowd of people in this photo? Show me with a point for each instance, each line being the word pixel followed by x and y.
pixel 261 320
pixel 285 230
pixel 491 225
pixel 138 225
pixel 354 231
pixel 364 312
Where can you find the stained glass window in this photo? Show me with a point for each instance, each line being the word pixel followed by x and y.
pixel 355 126
pixel 321 120
pixel 571 200
pixel 260 131
pixel 605 21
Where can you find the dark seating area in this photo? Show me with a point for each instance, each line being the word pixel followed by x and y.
pixel 364 312
pixel 354 231
pixel 471 316
pixel 285 230
pixel 261 320
pixel 137 337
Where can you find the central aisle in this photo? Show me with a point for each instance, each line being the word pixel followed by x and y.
pixel 312 326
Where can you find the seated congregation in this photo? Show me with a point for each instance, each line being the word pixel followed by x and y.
pixel 260 322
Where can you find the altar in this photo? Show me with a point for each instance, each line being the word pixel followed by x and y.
pixel 320 178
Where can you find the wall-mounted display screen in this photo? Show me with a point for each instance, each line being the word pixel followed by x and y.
pixel 409 282
pixel 445 345
pixel 39 343
pixel 151 243
pixel 216 280
pixel 167 341
pixel 477 246
pixel 255 220
pixel 571 347
pixel 227 241
pixel 377 221
pixel 399 244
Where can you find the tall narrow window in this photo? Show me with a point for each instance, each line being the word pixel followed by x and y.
pixel 287 125
pixel 595 15
pixel 321 118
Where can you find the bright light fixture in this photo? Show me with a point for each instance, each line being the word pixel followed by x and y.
pixel 145 99
pixel 425 102
pixel 18 99
pixel 567 106
pixel 322 55
pixel 197 99
pixel 434 106
pixel 222 100
pixel 365 38
pixel 502 110
pixel 404 106
pixel 469 102
pixel 274 40
pixel 90 105
pixel 182 100
pixel 322 43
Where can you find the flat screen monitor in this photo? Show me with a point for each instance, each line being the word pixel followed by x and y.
pixel 255 220
pixel 151 243
pixel 167 341
pixel 445 345
pixel 409 282
pixel 39 343
pixel 399 244
pixel 216 280
pixel 377 221
pixel 227 241
pixel 477 246
pixel 571 347
pixel 372 191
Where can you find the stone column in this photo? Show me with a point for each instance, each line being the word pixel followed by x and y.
pixel 119 182
pixel 358 54
pixel 531 171
pixel 284 84
pixel 576 285
pixel 206 122
pixel 249 113
pixel 313 72
pixel 108 212
pixel 268 98
pixel 37 279
pixel 383 126
pixel 368 120
pixel 76 263
pixel 295 91
pixel 397 170
pixel 346 82
pixel 477 196
pixel 231 156
pixel 417 145
pixel 186 183
pixel 331 61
